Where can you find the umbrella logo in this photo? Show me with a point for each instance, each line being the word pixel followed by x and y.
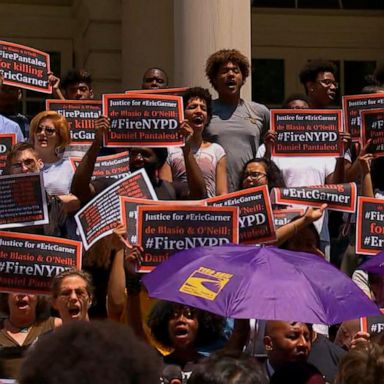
pixel 206 283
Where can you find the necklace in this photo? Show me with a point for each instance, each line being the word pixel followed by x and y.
pixel 23 329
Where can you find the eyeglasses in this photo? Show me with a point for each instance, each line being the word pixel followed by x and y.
pixel 328 83
pixel 49 131
pixel 254 174
pixel 28 163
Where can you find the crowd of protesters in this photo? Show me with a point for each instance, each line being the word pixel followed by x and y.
pixel 228 147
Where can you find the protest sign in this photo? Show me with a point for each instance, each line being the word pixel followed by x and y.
pixel 372 324
pixel 24 67
pixel 101 215
pixel 255 213
pixel 22 200
pixel 160 91
pixel 81 116
pixel 29 262
pixel 339 197
pixel 284 216
pixel 143 120
pixel 353 104
pixel 306 132
pixel 165 230
pixel 128 206
pixel 109 167
pixel 372 127
pixel 7 140
pixel 369 226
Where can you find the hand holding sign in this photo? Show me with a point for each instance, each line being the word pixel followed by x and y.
pixel 269 141
pixel 102 125
pixel 186 131
pixel 313 214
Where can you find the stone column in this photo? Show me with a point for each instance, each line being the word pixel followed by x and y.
pixel 202 27
pixel 146 39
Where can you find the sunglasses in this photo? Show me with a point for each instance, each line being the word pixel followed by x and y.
pixel 49 131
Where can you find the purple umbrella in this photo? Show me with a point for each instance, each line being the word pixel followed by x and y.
pixel 264 283
pixel 375 264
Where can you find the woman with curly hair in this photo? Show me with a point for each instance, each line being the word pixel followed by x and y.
pixel 183 329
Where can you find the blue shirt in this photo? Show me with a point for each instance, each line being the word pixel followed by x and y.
pixel 9 126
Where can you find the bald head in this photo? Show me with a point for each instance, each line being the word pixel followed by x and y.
pixel 286 341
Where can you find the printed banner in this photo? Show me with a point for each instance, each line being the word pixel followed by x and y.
pixel 372 324
pixel 24 67
pixel 129 213
pixel 255 213
pixel 353 104
pixel 81 116
pixel 102 214
pixel 7 140
pixel 109 167
pixel 339 197
pixel 307 132
pixel 22 200
pixel 284 216
pixel 372 127
pixel 143 120
pixel 29 262
pixel 369 226
pixel 160 91
pixel 165 230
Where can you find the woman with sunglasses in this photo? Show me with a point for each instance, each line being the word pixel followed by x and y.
pixel 49 134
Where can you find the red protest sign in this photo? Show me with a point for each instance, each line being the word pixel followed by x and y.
pixel 22 201
pixel 369 226
pixel 372 324
pixel 306 132
pixel 101 215
pixel 109 167
pixel 353 104
pixel 284 216
pixel 339 197
pixel 372 127
pixel 29 262
pixel 24 67
pixel 143 120
pixel 7 140
pixel 81 116
pixel 161 91
pixel 255 213
pixel 165 230
pixel 129 206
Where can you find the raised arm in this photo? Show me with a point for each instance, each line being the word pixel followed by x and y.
pixel 55 83
pixel 81 183
pixel 289 230
pixel 195 179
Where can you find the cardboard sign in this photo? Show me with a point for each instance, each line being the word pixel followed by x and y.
pixel 369 226
pixel 307 132
pixel 284 216
pixel 101 215
pixel 109 167
pixel 22 200
pixel 24 67
pixel 255 213
pixel 339 197
pixel 129 213
pixel 143 120
pixel 372 324
pixel 161 91
pixel 372 127
pixel 81 116
pixel 165 230
pixel 353 104
pixel 29 262
pixel 7 140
